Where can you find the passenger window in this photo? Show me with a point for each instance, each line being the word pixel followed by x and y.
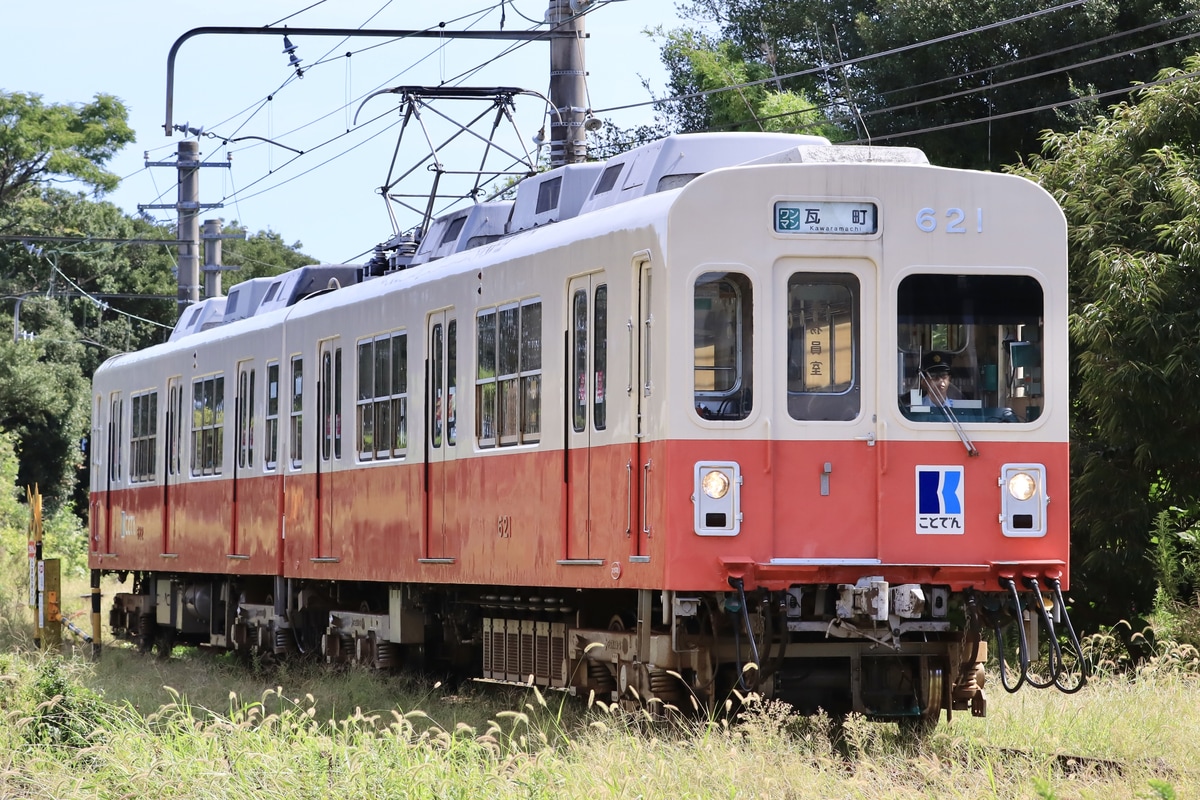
pixel 579 385
pixel 508 375
pixel 822 347
pixel 600 358
pixel 143 444
pixel 383 397
pixel 970 348
pixel 208 425
pixel 271 458
pixel 115 437
pixel 297 413
pixel 245 418
pixel 723 336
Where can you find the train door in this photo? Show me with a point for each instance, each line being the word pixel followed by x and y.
pixel 592 506
pixel 173 468
pixel 441 437
pixel 112 472
pixel 827 325
pixel 98 477
pixel 243 462
pixel 641 464
pixel 329 444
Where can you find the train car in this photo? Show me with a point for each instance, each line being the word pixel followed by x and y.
pixel 753 412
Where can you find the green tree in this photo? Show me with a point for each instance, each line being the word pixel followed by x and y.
pixel 80 301
pixel 702 67
pixel 40 142
pixel 44 402
pixel 259 255
pixel 12 515
pixel 1130 190
pixel 967 100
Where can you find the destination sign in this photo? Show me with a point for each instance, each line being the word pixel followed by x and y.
pixel 838 217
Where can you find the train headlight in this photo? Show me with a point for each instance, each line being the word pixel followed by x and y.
pixel 1022 486
pixel 715 484
pixel 1023 500
pixel 717 497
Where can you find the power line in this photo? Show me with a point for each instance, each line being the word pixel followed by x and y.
pixel 1034 110
pixel 851 61
pixel 991 86
pixel 1047 54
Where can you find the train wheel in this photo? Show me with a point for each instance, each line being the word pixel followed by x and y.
pixel 146 633
pixel 165 642
pixel 932 690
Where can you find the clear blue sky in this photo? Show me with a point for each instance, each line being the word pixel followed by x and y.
pixel 69 50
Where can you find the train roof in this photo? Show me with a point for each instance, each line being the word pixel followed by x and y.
pixel 542 200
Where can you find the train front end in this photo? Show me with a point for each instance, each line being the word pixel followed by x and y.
pixel 866 431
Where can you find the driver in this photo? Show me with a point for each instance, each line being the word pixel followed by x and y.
pixel 936 379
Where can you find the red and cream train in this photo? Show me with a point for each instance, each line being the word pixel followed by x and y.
pixel 655 421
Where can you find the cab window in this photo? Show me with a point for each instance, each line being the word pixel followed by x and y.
pixel 969 348
pixel 822 347
pixel 723 336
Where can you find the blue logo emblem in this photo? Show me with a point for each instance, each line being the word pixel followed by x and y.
pixel 940 500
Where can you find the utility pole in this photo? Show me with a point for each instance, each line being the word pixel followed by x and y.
pixel 188 231
pixel 213 267
pixel 188 206
pixel 568 83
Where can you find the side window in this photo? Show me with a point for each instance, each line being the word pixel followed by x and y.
pixel 823 347
pixel 296 433
pixel 579 357
pixel 116 440
pixel 451 381
pixel 436 387
pixel 399 345
pixel 175 428
pixel 208 425
pixel 382 400
pixel 508 377
pixel 326 405
pixel 329 402
pixel 600 358
pixel 271 456
pixel 245 418
pixel 143 442
pixel 723 336
pixel 485 378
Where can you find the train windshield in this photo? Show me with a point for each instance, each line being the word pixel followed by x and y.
pixel 970 346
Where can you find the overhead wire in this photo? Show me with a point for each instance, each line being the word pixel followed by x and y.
pixel 104 304
pixel 1035 109
pixel 238 193
pixel 975 90
pixel 1047 54
pixel 851 61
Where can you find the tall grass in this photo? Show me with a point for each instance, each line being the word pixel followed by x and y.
pixel 1131 736
pixel 201 725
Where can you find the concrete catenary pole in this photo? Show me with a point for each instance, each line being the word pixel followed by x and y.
pixel 568 83
pixel 212 258
pixel 189 224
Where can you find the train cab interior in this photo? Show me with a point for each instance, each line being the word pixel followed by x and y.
pixel 982 331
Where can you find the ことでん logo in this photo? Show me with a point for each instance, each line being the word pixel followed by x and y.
pixel 940 500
